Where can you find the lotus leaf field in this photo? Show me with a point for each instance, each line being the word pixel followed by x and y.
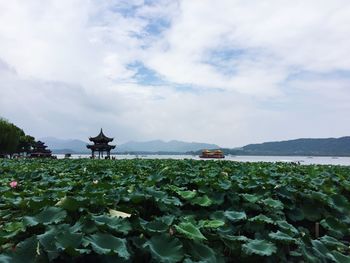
pixel 173 211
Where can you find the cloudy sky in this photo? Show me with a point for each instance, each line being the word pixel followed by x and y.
pixel 229 72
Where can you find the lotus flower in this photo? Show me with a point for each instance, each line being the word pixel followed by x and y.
pixel 95 181
pixel 13 184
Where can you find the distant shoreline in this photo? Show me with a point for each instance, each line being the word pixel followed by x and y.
pixel 332 147
pixel 197 154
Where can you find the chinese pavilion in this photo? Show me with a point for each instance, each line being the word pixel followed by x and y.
pixel 39 150
pixel 100 145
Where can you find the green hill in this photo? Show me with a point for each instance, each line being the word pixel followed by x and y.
pixel 327 146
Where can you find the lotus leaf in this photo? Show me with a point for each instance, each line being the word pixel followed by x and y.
pixel 47 216
pixel 282 237
pixel 107 244
pixel 259 247
pixel 148 210
pixel 190 231
pixel 165 248
pixel 235 216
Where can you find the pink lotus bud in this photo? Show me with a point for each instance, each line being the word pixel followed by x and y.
pixel 13 184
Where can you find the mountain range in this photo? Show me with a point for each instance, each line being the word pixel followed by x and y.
pixel 79 146
pixel 327 146
pixel 304 147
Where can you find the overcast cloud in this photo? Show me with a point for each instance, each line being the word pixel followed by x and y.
pixel 226 72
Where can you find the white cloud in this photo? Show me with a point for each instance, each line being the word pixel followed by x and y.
pixel 65 68
pixel 309 35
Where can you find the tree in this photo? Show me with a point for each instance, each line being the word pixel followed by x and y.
pixel 13 139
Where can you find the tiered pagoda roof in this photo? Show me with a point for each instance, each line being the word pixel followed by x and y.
pixel 40 150
pixel 100 143
pixel 101 138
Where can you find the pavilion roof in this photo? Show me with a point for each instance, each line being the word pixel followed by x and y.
pixel 40 144
pixel 101 138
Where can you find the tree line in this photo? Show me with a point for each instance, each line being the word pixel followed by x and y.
pixel 13 139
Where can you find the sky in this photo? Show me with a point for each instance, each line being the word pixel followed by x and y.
pixel 230 72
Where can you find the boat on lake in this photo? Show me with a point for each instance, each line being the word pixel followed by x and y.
pixel 215 154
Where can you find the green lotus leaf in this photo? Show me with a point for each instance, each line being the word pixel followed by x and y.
pixel 5 258
pixel 282 237
pixel 165 248
pixel 259 247
pixel 107 244
pixel 211 223
pixel 311 211
pixel 319 196
pixel 235 216
pixel 340 203
pixel 201 252
pixel 218 198
pixel 261 219
pixel 68 240
pixel 11 229
pixel 224 184
pixel 172 200
pixel 190 231
pixel 218 215
pixel 332 242
pixel 235 238
pixel 168 220
pixel 286 227
pixel 187 194
pixel 320 250
pixel 47 240
pixel 156 193
pixel 251 198
pixel 69 203
pixel 14 227
pixel 335 226
pixel 232 203
pixel 296 214
pixel 155 226
pixel 295 253
pixel 48 215
pixel 272 203
pixel 310 257
pixel 118 224
pixel 339 257
pixel 285 192
pixel 27 251
pixel 202 201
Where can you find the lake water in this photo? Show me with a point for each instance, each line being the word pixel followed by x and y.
pixel 237 158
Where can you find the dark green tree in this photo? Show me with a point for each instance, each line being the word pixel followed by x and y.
pixel 13 139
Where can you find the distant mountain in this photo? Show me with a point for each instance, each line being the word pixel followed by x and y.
pixel 60 146
pixel 327 146
pixel 162 146
pixel 305 147
pixel 65 146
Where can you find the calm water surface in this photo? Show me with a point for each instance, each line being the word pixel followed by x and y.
pixel 237 158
